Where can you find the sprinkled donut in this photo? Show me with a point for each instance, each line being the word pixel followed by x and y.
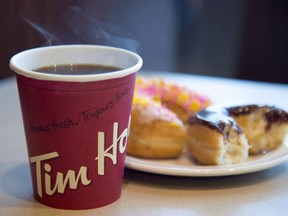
pixel 183 101
pixel 155 131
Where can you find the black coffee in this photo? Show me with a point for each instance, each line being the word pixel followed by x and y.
pixel 77 69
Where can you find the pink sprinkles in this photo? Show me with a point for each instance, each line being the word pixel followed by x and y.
pixel 172 94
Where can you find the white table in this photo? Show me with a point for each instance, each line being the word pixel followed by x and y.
pixel 260 193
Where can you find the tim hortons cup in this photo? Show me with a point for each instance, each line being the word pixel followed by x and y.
pixel 76 126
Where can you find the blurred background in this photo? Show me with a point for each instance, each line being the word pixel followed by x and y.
pixel 245 39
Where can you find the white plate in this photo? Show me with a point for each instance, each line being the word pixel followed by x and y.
pixel 184 166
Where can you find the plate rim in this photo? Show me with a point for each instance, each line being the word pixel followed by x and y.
pixel 277 157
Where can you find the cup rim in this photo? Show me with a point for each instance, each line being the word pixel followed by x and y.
pixel 75 78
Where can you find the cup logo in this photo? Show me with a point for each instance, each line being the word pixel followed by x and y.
pixel 72 179
pixel 61 181
pixel 120 141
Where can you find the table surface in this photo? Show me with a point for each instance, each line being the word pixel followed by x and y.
pixel 260 193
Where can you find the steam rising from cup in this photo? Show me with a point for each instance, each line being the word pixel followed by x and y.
pixel 81 26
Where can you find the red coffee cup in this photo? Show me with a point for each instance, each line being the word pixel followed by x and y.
pixel 76 126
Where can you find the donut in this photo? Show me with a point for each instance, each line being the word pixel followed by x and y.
pixel 157 119
pixel 155 131
pixel 228 135
pixel 214 138
pixel 182 101
pixel 265 127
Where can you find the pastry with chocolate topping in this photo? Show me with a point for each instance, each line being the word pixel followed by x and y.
pixel 214 138
pixel 264 126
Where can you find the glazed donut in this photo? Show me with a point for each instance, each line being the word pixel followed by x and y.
pixel 183 101
pixel 228 135
pixel 214 138
pixel 155 131
pixel 159 108
pixel 265 127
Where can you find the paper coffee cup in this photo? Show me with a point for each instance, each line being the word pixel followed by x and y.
pixel 76 126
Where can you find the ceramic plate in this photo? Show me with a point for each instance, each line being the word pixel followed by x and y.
pixel 185 166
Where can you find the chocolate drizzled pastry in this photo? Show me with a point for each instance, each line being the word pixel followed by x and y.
pixel 219 135
pixel 264 126
pixel 219 119
pixel 214 138
pixel 271 114
pixel 215 119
